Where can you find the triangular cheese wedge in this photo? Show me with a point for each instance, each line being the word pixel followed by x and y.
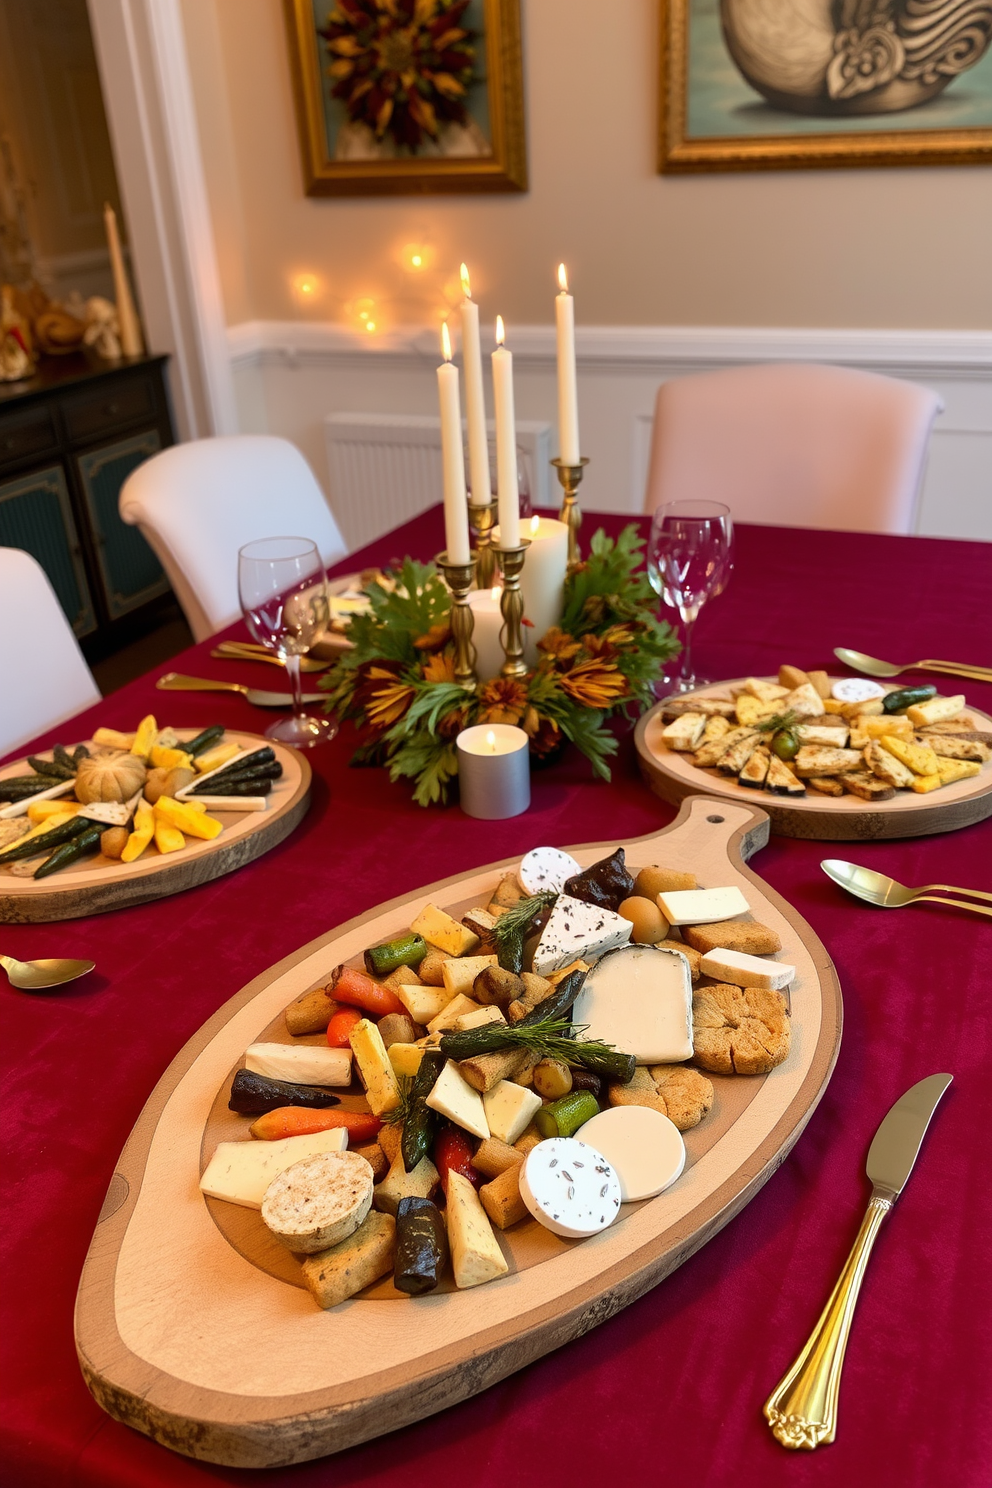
pixel 578 929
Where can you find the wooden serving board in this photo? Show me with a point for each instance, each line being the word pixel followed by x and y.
pixel 192 1326
pixel 97 884
pixel 846 818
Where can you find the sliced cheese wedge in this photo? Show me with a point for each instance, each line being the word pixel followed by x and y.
pixel 300 1064
pixel 743 970
pixel 639 999
pixel 702 906
pixel 240 1172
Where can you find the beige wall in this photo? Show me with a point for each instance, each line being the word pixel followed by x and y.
pixel 826 248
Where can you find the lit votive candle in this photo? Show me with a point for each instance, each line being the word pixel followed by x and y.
pixel 488 618
pixel 493 771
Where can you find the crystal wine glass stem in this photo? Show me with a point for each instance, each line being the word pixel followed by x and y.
pixel 292 664
pixel 688 621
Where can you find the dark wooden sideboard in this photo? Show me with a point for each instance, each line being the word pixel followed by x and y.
pixel 69 438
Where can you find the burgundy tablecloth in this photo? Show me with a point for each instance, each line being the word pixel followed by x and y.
pixel 671 1389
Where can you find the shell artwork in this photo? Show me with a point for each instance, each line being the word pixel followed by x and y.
pixel 837 57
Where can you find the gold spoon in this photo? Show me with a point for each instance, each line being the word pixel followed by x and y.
pixel 35 976
pixel 245 651
pixel 875 668
pixel 887 893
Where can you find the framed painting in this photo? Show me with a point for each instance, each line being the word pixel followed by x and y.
pixel 780 84
pixel 408 96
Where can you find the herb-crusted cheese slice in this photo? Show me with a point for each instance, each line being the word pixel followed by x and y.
pixel 578 929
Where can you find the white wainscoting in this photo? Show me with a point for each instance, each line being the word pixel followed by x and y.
pixel 290 375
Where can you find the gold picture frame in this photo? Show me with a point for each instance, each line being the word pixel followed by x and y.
pixel 715 117
pixel 496 122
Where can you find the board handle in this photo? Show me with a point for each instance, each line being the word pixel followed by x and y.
pixel 706 822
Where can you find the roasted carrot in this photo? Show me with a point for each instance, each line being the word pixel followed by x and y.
pixel 340 1026
pixel 359 990
pixel 299 1121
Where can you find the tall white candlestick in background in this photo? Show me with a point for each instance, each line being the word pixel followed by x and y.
pixel 507 492
pixel 542 582
pixel 480 489
pixel 452 457
pixel 568 395
pixel 488 622
pixel 132 343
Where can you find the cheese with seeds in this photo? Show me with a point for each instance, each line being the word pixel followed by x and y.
pixel 570 1188
pixel 545 869
pixel 578 929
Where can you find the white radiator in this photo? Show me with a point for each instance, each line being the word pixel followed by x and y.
pixel 384 468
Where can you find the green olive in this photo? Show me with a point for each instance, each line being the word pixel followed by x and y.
pixel 785 744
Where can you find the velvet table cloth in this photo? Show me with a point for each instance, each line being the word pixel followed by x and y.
pixel 670 1390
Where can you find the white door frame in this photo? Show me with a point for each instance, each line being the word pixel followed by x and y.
pixel 141 53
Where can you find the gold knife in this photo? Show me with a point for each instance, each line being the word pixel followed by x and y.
pixel 802 1410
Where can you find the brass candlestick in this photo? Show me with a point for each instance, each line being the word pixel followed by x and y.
pixel 512 608
pixel 459 578
pixel 569 477
pixel 482 517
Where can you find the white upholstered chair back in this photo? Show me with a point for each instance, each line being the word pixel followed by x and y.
pixel 198 503
pixel 794 445
pixel 44 678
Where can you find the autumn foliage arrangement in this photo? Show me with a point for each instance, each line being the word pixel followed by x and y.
pixel 397 683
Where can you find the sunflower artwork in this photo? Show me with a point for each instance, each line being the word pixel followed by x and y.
pixel 397 683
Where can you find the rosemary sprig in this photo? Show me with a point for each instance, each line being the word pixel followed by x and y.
pixel 555 1038
pixel 512 924
pixel 776 722
pixel 400 1113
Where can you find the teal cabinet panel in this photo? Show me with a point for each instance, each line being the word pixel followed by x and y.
pixel 131 573
pixel 36 515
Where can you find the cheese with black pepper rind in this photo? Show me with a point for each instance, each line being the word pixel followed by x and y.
pixel 577 929
pixel 545 869
pixel 570 1188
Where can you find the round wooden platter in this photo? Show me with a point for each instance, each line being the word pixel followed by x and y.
pixel 846 818
pixel 192 1325
pixel 98 884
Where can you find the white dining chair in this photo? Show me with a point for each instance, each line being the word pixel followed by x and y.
pixel 196 504
pixel 44 678
pixel 794 445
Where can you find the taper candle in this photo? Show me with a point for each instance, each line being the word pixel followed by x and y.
pixel 507 492
pixel 568 396
pixel 452 456
pixel 480 488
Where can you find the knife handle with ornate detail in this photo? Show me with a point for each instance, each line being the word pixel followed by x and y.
pixel 802 1410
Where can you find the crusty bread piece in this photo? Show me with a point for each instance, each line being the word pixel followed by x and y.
pixel 689 952
pixel 765 692
pixel 885 765
pixel 686 1093
pixel 790 677
pixel 711 751
pixel 866 785
pixel 711 706
pixel 804 701
pixel 652 881
pixel 733 935
pixel 502 1200
pixel 935 710
pixel 751 710
pixel 822 683
pixel 493 1157
pixel 684 732
pixel 834 736
pixel 964 726
pixel 431 969
pixel 389 1139
pixel 955 747
pixel 716 728
pixel 739 1030
pixel 335 1275
pixel 826 785
pixel 375 1157
pixel 820 759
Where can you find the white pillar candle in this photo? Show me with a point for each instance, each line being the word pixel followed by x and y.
pixel 452 457
pixel 493 771
pixel 480 489
pixel 568 396
pixel 485 605
pixel 132 343
pixel 542 581
pixel 507 493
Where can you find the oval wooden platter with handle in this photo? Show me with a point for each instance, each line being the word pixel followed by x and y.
pixel 97 884
pixel 846 818
pixel 191 1323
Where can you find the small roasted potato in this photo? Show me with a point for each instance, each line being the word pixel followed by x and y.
pixel 552 1078
pixel 310 1013
pixel 429 970
pixel 397 1028
pixel 497 987
pixel 648 922
pixel 176 778
pixel 651 882
pixel 113 840
pixel 155 785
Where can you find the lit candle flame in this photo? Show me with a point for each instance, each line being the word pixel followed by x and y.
pixel 535 523
pixel 500 331
pixel 496 592
pixel 445 341
pixel 562 279
pixel 466 286
pixel 491 741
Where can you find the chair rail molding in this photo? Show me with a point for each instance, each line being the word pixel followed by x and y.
pixel 141 53
pixel 289 375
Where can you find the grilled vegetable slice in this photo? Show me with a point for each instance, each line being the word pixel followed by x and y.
pixel 70 852
pixel 421 1246
pixel 405 950
pixel 51 768
pixel 205 740
pixel 421 1121
pixel 565 1116
pixel 253 1095
pixel 47 841
pixel 905 697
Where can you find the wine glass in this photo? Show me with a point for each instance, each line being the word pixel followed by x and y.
pixel 690 560
pixel 283 592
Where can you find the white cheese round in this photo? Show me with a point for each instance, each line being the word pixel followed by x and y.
pixel 856 690
pixel 546 869
pixel 570 1188
pixel 644 1147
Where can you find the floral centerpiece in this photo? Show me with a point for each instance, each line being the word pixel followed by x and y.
pixel 397 682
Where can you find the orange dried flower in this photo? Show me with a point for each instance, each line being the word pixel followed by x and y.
pixel 559 644
pixel 594 684
pixel 503 700
pixel 439 668
pixel 436 638
pixel 382 695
